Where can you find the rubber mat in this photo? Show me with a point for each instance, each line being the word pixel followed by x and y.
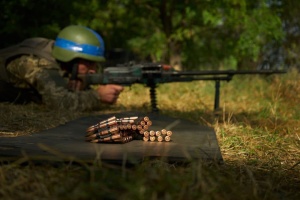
pixel 189 141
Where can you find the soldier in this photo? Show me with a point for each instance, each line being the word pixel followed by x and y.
pixel 48 72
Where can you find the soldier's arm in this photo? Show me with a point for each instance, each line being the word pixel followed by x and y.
pixel 57 95
pixel 48 82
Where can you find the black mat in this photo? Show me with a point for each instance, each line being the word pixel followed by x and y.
pixel 189 141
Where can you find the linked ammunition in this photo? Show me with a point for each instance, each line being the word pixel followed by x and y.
pixel 123 130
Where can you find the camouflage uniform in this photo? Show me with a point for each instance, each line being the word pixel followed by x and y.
pixel 43 80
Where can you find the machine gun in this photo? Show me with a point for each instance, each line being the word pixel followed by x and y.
pixel 152 74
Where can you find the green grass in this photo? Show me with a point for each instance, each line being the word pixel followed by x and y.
pixel 258 130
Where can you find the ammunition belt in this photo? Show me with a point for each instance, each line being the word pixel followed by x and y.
pixel 126 129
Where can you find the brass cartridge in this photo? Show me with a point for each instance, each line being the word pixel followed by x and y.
pixel 110 123
pixel 169 133
pixel 164 131
pixel 113 129
pixel 145 127
pixel 130 118
pixel 146 119
pixel 160 138
pixel 152 138
pixel 133 127
pixel 143 123
pixel 113 137
pixel 97 136
pixel 103 134
pixel 152 133
pixel 125 121
pixel 158 133
pixel 139 127
pixel 167 138
pixel 107 139
pixel 92 129
pixel 108 120
pixel 149 123
pixel 146 133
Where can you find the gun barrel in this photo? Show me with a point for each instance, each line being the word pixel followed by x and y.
pixel 225 72
pixel 214 75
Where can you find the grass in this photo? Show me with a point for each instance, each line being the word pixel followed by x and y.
pixel 258 130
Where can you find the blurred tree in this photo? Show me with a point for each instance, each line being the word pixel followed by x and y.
pixel 288 10
pixel 190 33
pixel 226 33
pixel 21 19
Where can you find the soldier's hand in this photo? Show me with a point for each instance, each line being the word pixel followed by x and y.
pixel 109 93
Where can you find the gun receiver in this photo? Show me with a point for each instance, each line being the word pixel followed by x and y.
pixel 151 74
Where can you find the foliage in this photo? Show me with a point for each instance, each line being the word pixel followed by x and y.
pixel 192 34
pixel 21 19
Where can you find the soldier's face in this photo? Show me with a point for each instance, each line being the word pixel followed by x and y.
pixel 86 67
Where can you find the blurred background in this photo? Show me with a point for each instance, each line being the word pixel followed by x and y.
pixel 189 34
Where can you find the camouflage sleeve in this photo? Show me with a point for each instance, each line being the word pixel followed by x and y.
pixel 46 79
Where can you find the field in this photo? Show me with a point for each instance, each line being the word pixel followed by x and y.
pixel 258 130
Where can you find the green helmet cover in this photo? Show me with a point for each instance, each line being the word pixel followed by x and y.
pixel 78 42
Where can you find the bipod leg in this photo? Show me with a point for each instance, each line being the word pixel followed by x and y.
pixel 153 98
pixel 217 97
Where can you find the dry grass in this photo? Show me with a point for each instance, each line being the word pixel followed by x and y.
pixel 257 129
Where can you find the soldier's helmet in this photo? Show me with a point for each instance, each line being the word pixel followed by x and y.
pixel 76 41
